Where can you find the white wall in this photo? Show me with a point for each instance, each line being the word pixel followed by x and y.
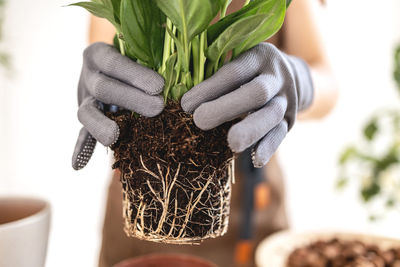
pixel 39 130
pixel 38 125
pixel 361 37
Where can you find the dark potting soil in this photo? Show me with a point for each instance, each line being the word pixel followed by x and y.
pixel 340 253
pixel 165 162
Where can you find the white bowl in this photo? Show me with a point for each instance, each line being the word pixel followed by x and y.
pixel 274 250
pixel 24 230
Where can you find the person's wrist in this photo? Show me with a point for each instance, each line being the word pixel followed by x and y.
pixel 304 83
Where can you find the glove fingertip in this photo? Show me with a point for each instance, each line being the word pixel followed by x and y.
pixel 112 134
pixel 258 160
pixel 186 104
pixel 235 139
pixel 202 120
pixel 83 150
pixel 154 85
pixel 153 107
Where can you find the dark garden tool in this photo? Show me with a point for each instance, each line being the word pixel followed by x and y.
pixel 252 178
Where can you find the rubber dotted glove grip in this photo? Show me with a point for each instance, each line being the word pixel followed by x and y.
pixel 110 78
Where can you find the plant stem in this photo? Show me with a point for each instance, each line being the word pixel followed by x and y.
pixel 167 47
pixel 202 57
pixel 185 43
pixel 216 65
pixel 121 44
pixel 224 8
pixel 196 59
pixel 222 60
pixel 209 70
pixel 172 40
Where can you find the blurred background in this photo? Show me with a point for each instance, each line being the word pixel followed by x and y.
pixel 38 125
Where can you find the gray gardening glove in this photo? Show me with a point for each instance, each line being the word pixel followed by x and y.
pixel 108 78
pixel 265 83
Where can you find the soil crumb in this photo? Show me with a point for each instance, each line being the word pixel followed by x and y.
pixel 175 176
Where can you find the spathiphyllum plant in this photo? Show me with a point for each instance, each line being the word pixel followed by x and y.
pixel 177 178
pixel 176 38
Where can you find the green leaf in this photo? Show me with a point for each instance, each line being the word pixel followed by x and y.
pixel 341 183
pixel 370 191
pixel 373 218
pixel 142 31
pixel 288 2
pixel 180 50
pixel 253 8
pixel 116 42
pixel 390 203
pixel 189 16
pixel 396 73
pixel 5 60
pixel 235 35
pixel 349 153
pixel 169 75
pixel 276 16
pixel 388 160
pixel 116 5
pixel 371 130
pixel 224 6
pixel 99 10
pixel 178 91
pixel 113 5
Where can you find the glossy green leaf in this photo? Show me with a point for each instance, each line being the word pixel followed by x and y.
pixel 116 5
pixel 224 6
pixel 189 16
pixel 112 5
pixel 276 16
pixel 99 10
pixel 253 8
pixel 235 35
pixel 142 30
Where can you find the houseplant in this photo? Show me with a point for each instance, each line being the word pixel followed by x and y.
pixel 375 162
pixel 4 58
pixel 176 178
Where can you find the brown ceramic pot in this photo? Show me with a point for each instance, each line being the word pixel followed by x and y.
pixel 165 260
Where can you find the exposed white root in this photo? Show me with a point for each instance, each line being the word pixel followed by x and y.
pixel 153 212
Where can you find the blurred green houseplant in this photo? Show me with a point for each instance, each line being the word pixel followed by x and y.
pixel 4 58
pixel 376 161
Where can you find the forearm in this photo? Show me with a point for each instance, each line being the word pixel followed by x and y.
pixel 303 38
pixel 100 30
pixel 325 93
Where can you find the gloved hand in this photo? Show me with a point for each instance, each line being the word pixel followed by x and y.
pixel 263 82
pixel 109 78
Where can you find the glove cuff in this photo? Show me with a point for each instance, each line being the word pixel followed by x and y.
pixel 304 83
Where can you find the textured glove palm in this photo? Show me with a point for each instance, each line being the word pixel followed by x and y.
pixel 110 78
pixel 268 85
